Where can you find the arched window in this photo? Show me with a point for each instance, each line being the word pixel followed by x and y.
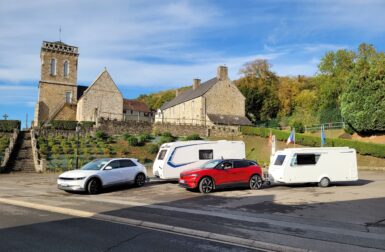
pixel 53 67
pixel 65 69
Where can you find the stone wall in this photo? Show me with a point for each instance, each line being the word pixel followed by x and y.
pixel 8 151
pixel 224 131
pixel 112 127
pixel 180 130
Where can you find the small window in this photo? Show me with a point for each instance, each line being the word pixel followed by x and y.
pixel 226 165
pixel 206 154
pixel 53 67
pixel 241 163
pixel 65 69
pixel 280 159
pixel 114 164
pixel 68 97
pixel 126 163
pixel 162 154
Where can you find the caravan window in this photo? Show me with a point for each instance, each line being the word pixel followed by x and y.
pixel 206 154
pixel 161 155
pixel 305 159
pixel 280 159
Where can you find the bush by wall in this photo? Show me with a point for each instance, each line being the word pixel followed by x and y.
pixel 9 125
pixel 64 125
pixel 376 150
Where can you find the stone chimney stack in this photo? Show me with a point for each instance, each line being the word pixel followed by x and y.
pixel 222 73
pixel 196 83
pixel 176 92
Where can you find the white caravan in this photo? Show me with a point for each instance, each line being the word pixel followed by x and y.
pixel 173 158
pixel 314 165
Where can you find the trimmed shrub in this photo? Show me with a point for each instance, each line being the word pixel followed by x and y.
pixel 100 134
pixel 192 137
pixel 64 125
pixel 133 141
pixel 153 148
pixel 9 125
pixel 86 125
pixel 165 139
pixel 376 150
pixel 298 126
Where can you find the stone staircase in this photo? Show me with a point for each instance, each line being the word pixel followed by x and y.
pixel 21 158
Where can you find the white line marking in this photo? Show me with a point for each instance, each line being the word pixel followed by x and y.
pixel 248 243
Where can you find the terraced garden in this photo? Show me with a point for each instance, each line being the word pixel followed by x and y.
pixel 60 151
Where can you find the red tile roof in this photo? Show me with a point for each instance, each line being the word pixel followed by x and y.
pixel 135 105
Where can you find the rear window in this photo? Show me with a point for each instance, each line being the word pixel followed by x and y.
pixel 206 154
pixel 242 163
pixel 162 154
pixel 280 159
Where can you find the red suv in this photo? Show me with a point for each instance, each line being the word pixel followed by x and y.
pixel 221 173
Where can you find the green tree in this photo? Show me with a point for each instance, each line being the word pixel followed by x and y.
pixel 363 103
pixel 259 86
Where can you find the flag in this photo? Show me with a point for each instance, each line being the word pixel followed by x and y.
pixel 323 137
pixel 291 138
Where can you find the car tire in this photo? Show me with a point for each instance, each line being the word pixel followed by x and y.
pixel 255 182
pixel 206 185
pixel 94 186
pixel 140 180
pixel 324 182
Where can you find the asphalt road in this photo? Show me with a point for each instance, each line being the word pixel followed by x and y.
pixel 344 217
pixel 23 229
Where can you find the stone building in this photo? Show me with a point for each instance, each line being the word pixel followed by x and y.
pixel 60 98
pixel 101 99
pixel 134 110
pixel 214 102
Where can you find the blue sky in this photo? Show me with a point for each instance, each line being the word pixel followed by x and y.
pixel 154 45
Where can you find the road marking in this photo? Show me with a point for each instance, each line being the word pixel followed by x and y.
pixel 216 213
pixel 225 239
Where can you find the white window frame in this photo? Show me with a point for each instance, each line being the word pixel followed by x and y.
pixel 66 73
pixel 53 66
pixel 70 97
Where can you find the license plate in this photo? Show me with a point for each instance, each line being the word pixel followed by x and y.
pixel 181 181
pixel 64 185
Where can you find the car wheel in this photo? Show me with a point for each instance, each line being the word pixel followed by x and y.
pixel 206 185
pixel 325 182
pixel 255 182
pixel 94 186
pixel 140 179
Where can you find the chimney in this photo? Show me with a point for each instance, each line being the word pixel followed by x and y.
pixel 222 73
pixel 176 92
pixel 196 83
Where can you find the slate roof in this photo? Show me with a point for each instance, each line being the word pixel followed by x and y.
pixel 229 119
pixel 135 105
pixel 190 94
pixel 81 90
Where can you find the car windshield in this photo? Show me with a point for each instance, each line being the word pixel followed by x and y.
pixel 211 164
pixel 97 164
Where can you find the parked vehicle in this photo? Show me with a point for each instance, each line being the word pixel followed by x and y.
pixel 314 165
pixel 173 158
pixel 222 173
pixel 101 173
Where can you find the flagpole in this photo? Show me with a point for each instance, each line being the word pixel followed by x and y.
pixel 294 136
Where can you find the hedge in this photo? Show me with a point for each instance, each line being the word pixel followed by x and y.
pixel 70 125
pixel 9 125
pixel 376 150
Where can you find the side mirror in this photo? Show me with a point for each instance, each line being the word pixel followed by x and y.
pixel 108 168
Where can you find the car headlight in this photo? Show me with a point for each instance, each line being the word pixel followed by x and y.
pixel 193 175
pixel 81 178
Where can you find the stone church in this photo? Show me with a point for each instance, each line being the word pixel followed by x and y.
pixel 214 102
pixel 60 98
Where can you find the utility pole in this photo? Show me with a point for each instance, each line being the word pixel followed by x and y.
pixel 26 120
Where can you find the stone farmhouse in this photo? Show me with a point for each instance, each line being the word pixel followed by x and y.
pixel 214 102
pixel 60 98
pixel 134 110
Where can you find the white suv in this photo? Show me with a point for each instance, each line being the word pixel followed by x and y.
pixel 101 173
